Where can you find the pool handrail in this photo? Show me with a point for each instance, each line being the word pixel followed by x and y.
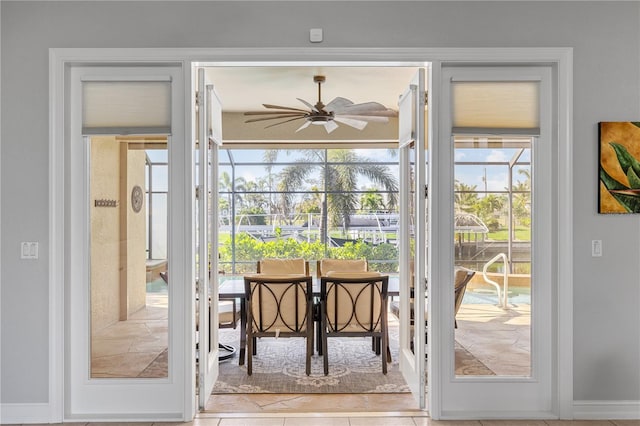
pixel 503 294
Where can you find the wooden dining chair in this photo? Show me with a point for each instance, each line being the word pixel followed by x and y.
pixel 279 306
pixel 354 304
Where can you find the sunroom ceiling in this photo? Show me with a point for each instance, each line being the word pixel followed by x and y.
pixel 242 89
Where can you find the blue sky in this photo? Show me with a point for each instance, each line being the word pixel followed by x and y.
pixel 496 175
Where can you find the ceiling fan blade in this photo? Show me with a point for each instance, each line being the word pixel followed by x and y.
pixel 358 124
pixel 365 107
pixel 272 112
pixel 311 107
pixel 304 126
pixel 385 113
pixel 270 106
pixel 285 121
pixel 330 126
pixel 295 117
pixel 368 118
pixel 338 104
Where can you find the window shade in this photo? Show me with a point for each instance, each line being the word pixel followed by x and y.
pixel 126 107
pixel 496 107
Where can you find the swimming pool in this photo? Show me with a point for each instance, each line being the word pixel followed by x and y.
pixel 517 295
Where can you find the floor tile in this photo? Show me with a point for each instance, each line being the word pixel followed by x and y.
pixel 579 423
pixel 627 422
pixel 317 403
pixel 316 421
pixel 275 421
pixel 208 421
pixel 381 421
pixel 513 423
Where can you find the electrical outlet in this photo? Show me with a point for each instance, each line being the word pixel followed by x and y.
pixel 596 248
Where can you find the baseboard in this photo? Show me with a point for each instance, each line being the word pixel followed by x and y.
pixel 24 413
pixel 606 410
pixel 40 413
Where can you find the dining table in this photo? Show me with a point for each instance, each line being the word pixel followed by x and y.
pixel 233 288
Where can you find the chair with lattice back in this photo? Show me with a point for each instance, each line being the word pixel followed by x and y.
pixel 354 304
pixel 279 306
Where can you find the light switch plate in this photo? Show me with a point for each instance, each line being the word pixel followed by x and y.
pixel 28 250
pixel 596 248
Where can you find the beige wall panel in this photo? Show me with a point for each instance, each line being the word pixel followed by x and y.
pixel 136 256
pixel 105 225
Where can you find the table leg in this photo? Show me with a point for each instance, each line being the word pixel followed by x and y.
pixel 243 330
pixel 317 319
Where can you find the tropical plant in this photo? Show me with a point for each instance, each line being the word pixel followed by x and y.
pixel 372 201
pixel 465 196
pixel 488 206
pixel 382 257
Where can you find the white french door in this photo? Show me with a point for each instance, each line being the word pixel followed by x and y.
pixel 531 391
pixel 412 236
pixel 115 115
pixel 209 137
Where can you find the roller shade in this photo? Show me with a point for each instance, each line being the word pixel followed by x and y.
pixel 126 107
pixel 496 107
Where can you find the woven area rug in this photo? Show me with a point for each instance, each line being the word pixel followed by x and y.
pixel 279 365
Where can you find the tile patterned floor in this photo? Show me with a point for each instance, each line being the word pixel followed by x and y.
pixel 485 330
pixel 126 348
pixel 500 338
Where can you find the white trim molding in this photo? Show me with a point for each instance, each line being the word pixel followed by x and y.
pixel 60 58
pixel 606 410
pixel 24 413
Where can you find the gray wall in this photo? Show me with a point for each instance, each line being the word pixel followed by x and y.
pixel 606 41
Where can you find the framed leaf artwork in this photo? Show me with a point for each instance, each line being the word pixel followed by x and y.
pixel 619 167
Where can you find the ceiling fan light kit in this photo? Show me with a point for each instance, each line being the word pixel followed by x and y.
pixel 339 110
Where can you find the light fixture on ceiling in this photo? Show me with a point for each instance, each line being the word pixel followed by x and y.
pixel 339 110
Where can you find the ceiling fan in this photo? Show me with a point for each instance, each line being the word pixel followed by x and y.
pixel 339 110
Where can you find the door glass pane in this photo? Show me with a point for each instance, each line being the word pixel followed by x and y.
pixel 129 285
pixel 412 243
pixel 493 206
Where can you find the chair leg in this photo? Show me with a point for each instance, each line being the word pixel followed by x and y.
pixel 250 349
pixel 325 348
pixel 255 346
pixel 310 334
pixel 376 345
pixel 385 344
pixel 319 336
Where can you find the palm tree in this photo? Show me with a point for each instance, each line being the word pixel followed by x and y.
pixel 340 169
pixel 371 201
pixel 465 196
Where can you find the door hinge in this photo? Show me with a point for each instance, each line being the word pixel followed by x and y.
pixel 426 192
pixel 197 98
pixel 197 192
pixel 426 98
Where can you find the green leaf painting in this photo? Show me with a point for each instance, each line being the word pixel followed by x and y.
pixel 619 168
